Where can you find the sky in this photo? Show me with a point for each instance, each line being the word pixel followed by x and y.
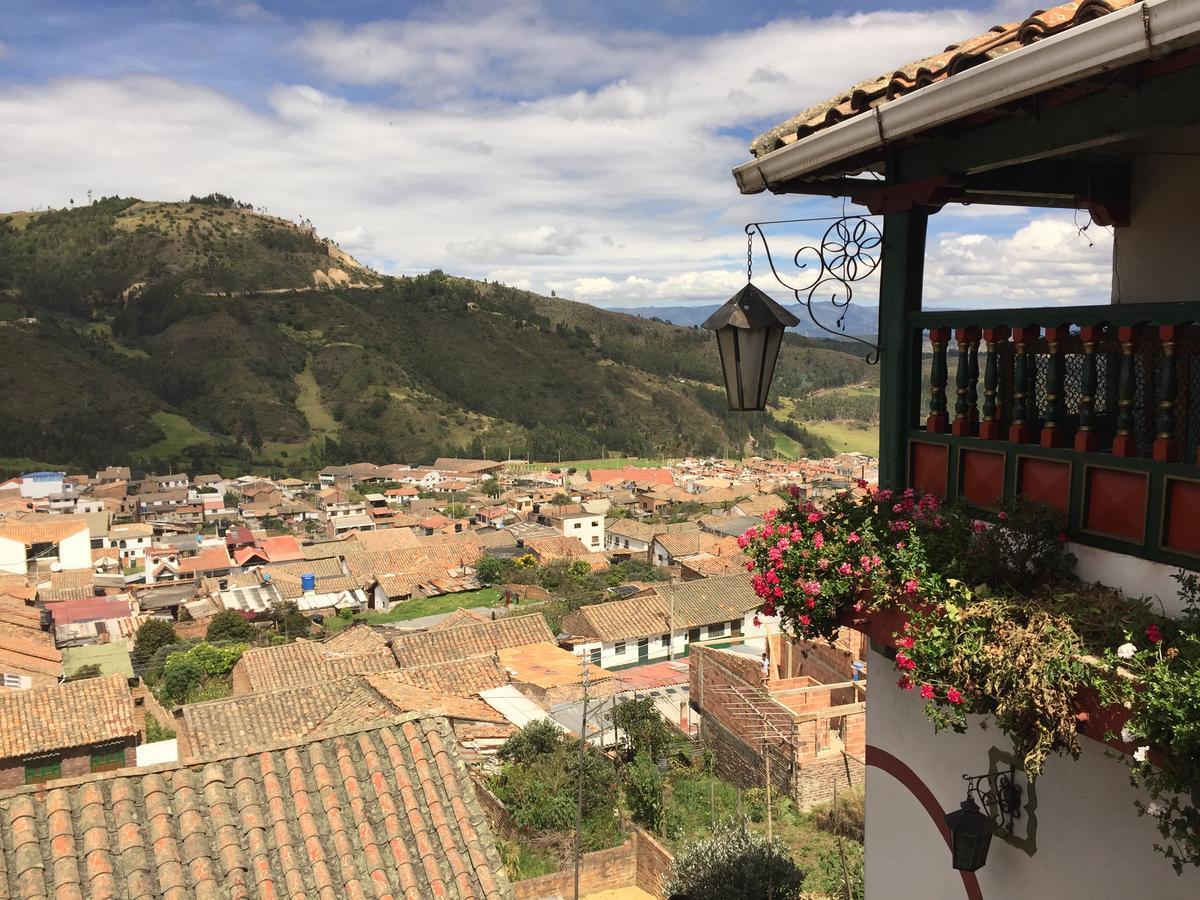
pixel 578 147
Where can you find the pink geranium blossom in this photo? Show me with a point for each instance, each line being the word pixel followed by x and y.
pixel 954 695
pixel 927 691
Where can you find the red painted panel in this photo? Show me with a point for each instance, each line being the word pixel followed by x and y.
pixel 1045 481
pixel 982 477
pixel 1116 503
pixel 929 468
pixel 1183 516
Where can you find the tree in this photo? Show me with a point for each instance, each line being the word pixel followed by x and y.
pixel 153 634
pixel 229 625
pixel 288 619
pixel 644 791
pixel 181 675
pixel 644 730
pixel 489 569
pixel 456 511
pixel 735 862
pixel 232 500
pixel 491 487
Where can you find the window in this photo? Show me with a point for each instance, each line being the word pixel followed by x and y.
pixel 17 682
pixel 716 630
pixel 595 524
pixel 626 543
pixel 105 759
pixel 693 635
pixel 595 654
pixel 620 648
pixel 578 524
pixel 45 768
pixel 595 539
pixel 666 640
pixel 735 627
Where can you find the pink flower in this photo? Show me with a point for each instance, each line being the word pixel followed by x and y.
pixel 814 518
pixel 769 515
pixel 905 683
pixel 757 621
pixel 1002 516
pixel 845 569
pixel 904 663
pixel 906 642
pixel 793 491
pixel 954 695
pixel 927 691
pixel 811 603
pixel 818 540
pixel 742 542
pixel 910 586
pixel 749 565
pixel 862 483
pixel 805 620
pixel 853 537
pixel 812 588
pixel 822 564
pixel 978 527
pixel 1153 633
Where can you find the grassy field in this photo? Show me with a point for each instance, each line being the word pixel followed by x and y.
pixel 415 609
pixel 847 437
pixel 179 434
pixel 785 446
pixel 309 402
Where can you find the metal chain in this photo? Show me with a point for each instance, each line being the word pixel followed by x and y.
pixel 749 256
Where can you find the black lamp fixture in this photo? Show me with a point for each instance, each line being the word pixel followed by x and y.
pixel 971 829
pixel 749 331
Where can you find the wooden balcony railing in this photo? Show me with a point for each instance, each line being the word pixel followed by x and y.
pixel 1093 410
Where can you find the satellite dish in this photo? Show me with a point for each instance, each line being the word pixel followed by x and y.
pixel 55 567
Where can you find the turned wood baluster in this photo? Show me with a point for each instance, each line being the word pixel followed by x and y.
pixel 1166 448
pixel 936 423
pixel 1125 443
pixel 989 427
pixel 1086 439
pixel 1024 383
pixel 1052 428
pixel 965 412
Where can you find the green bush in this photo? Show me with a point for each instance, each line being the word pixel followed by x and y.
pixel 830 876
pixel 153 634
pixel 181 674
pixel 229 625
pixel 735 863
pixel 156 732
pixel 644 792
pixel 644 729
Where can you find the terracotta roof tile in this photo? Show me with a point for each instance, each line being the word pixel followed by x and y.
pixel 458 618
pixel 73 714
pixel 41 529
pixel 459 677
pixel 307 662
pixel 997 41
pixel 470 640
pixel 364 811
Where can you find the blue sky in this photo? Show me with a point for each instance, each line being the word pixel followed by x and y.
pixel 580 147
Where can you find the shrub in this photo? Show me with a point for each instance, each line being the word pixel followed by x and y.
pixel 845 817
pixel 643 727
pixel 831 874
pixel 181 675
pixel 153 634
pixel 735 863
pixel 229 625
pixel 538 738
pixel 644 791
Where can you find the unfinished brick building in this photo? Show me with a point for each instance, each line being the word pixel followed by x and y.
pixel 805 724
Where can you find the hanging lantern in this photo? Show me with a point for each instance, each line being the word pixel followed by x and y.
pixel 749 331
pixel 970 836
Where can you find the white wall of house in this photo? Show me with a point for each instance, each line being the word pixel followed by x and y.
pixel 621 544
pixel 616 654
pixel 1147 264
pixel 588 527
pixel 75 551
pixel 42 484
pixel 12 556
pixel 1090 840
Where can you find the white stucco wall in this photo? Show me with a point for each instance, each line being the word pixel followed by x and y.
pixel 1090 842
pixel 588 528
pixel 75 551
pixel 1151 261
pixel 12 556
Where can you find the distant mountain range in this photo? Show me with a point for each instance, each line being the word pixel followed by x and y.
pixel 860 319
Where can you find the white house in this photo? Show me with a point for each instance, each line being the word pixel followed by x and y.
pixel 41 542
pixel 131 541
pixel 36 485
pixel 575 521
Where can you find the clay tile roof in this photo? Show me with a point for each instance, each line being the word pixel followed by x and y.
pixel 210 559
pixel 387 539
pixel 27 652
pixel 995 42
pixel 458 618
pixel 470 640
pixel 459 677
pixel 307 662
pixel 366 810
pixel 619 620
pixel 41 529
pixel 74 714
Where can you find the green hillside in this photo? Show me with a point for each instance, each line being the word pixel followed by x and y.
pixel 195 334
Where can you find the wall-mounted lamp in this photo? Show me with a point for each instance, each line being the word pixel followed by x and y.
pixel 971 828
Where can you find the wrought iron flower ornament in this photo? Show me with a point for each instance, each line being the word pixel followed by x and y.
pixel 847 253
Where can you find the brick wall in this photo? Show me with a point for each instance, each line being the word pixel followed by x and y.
pixel 145 702
pixel 240 679
pixel 653 863
pixel 601 870
pixel 741 764
pixel 818 780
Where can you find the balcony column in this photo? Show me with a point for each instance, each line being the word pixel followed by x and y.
pixel 1024 408
pixel 1086 439
pixel 1166 448
pixel 1052 428
pixel 938 339
pixel 966 378
pixel 902 267
pixel 989 427
pixel 1125 443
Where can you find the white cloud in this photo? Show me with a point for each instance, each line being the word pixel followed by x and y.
pixel 608 180
pixel 246 10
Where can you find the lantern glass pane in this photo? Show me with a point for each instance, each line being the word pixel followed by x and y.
pixel 774 337
pixel 752 348
pixel 727 345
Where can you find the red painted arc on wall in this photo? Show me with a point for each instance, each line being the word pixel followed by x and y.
pixel 884 761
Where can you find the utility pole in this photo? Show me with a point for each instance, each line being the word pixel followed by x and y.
pixel 767 760
pixel 579 775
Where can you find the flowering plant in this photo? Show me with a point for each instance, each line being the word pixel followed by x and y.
pixel 813 565
pixel 1163 695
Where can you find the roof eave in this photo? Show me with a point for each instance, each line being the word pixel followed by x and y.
pixel 1141 32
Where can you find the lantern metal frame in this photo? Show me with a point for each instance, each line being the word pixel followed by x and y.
pixel 999 796
pixel 849 251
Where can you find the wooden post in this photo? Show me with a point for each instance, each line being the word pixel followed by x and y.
pixel 1024 381
pixel 1086 439
pixel 1166 448
pixel 1052 429
pixel 938 339
pixel 989 426
pixel 966 413
pixel 902 267
pixel 1125 443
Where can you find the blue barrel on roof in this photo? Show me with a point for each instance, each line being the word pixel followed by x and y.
pixel 308 581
